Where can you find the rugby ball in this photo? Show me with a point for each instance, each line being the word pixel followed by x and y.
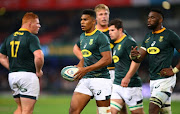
pixel 68 72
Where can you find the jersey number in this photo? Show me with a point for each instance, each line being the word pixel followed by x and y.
pixel 14 44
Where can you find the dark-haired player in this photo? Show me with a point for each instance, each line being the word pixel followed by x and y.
pixel 159 46
pixel 127 84
pixel 93 73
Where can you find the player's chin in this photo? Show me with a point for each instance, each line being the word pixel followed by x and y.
pixel 104 23
pixel 83 29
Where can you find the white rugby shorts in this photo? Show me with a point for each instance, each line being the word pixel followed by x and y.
pixel 99 88
pixel 163 85
pixel 131 95
pixel 24 84
pixel 112 74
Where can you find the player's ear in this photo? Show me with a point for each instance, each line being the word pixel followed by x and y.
pixel 161 20
pixel 94 21
pixel 120 30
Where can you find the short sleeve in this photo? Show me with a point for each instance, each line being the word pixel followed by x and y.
pixel 130 43
pixel 103 43
pixel 78 43
pixel 34 43
pixel 3 49
pixel 175 40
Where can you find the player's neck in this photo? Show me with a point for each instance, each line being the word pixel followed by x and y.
pixel 158 28
pixel 25 26
pixel 99 27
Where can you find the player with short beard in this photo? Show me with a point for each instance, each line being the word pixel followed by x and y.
pixel 159 46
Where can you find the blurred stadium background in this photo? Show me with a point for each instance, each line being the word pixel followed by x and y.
pixel 60 29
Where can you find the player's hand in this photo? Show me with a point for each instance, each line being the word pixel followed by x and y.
pixel 80 73
pixel 125 81
pixel 134 53
pixel 39 74
pixel 166 72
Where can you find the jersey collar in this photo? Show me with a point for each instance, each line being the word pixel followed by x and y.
pixel 104 30
pixel 24 29
pixel 117 41
pixel 159 31
pixel 90 34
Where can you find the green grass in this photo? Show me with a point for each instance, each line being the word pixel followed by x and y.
pixel 60 105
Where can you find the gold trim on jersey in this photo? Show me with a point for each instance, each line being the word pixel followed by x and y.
pixel 110 68
pixel 91 33
pixel 159 31
pixel 24 29
pixel 104 30
pixel 117 41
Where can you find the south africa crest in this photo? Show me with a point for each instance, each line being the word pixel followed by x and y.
pixel 91 42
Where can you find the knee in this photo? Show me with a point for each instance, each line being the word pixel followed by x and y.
pixel 166 109
pixel 74 110
pixel 17 111
pixel 137 111
pixel 153 108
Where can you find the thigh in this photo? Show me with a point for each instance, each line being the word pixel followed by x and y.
pixel 27 104
pixel 79 101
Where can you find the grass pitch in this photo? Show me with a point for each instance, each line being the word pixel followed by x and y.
pixel 59 104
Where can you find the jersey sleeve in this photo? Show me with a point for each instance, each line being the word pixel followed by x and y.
pixel 143 45
pixel 175 40
pixel 78 43
pixel 3 49
pixel 103 43
pixel 34 43
pixel 130 43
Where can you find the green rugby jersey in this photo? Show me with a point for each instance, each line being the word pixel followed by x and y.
pixel 160 48
pixel 106 32
pixel 19 48
pixel 122 61
pixel 91 45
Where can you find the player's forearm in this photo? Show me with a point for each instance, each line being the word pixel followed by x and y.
pixel 81 63
pixel 39 62
pixel 4 61
pixel 132 70
pixel 77 52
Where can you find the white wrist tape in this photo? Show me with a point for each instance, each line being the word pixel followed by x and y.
pixel 175 70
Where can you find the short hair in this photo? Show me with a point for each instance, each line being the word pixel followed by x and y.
pixel 101 6
pixel 90 12
pixel 28 17
pixel 117 23
pixel 157 11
